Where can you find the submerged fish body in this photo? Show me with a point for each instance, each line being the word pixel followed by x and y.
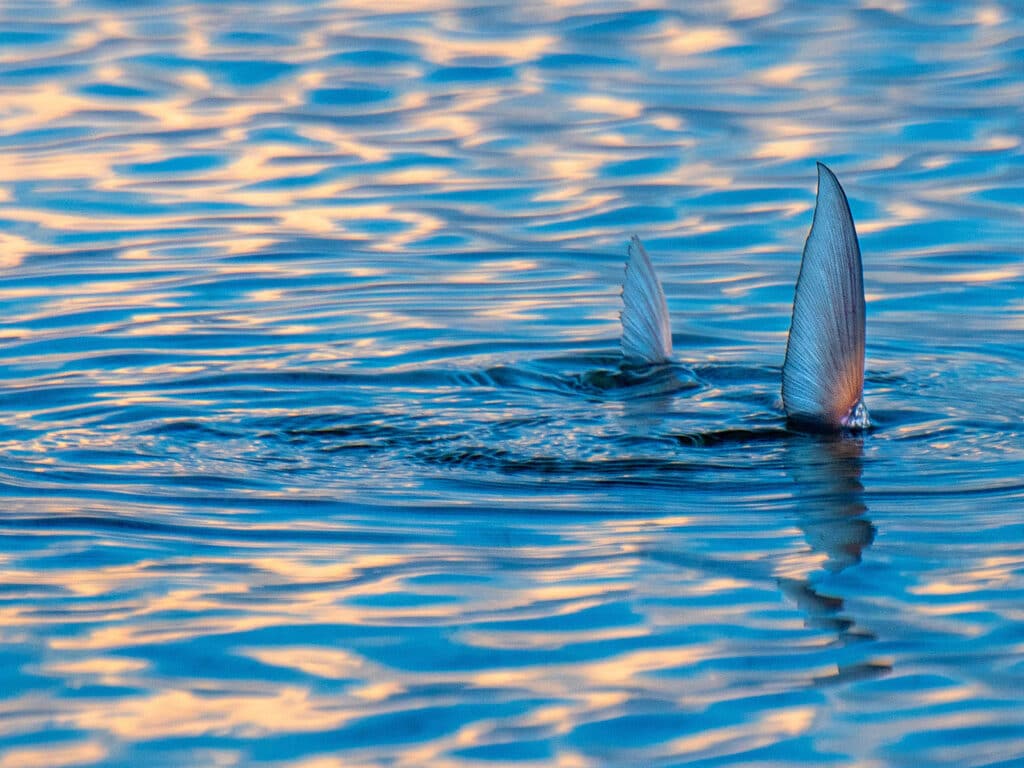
pixel 823 372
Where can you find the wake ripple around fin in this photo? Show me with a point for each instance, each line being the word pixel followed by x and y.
pixel 597 383
pixel 823 374
pixel 734 437
pixel 646 331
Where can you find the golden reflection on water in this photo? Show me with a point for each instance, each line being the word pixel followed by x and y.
pixel 186 105
pixel 760 732
pixel 82 752
pixel 344 160
pixel 13 249
pixel 454 47
pixel 194 100
pixel 110 671
pixel 791 149
pixel 785 74
pixel 321 591
pixel 320 662
pixel 178 713
pixel 680 40
pixel 751 9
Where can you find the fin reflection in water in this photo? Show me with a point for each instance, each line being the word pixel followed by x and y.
pixel 827 472
pixel 832 514
pixel 829 508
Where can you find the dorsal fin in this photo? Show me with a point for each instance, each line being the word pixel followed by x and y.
pixel 646 331
pixel 823 375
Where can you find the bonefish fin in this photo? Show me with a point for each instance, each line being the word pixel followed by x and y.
pixel 646 331
pixel 823 375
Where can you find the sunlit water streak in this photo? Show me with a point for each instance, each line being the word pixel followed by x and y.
pixel 316 448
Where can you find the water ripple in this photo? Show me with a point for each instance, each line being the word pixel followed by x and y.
pixel 317 448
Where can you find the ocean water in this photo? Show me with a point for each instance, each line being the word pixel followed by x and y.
pixel 315 447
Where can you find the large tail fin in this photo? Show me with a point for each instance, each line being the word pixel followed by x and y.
pixel 646 332
pixel 823 375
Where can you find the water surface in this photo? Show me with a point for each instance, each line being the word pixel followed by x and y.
pixel 316 449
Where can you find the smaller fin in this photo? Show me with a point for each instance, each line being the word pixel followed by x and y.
pixel 646 331
pixel 823 375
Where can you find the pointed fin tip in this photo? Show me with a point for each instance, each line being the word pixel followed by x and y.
pixel 828 182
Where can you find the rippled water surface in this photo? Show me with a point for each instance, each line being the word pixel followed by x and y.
pixel 315 445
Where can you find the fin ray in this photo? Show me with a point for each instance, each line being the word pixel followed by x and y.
pixel 646 330
pixel 823 373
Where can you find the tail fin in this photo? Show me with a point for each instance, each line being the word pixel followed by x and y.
pixel 646 332
pixel 823 375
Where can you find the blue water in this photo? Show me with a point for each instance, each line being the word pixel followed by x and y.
pixel 315 450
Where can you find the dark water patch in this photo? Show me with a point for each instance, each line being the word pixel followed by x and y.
pixel 234 72
pixel 518 749
pixel 612 24
pixel 18 36
pixel 472 74
pixel 735 437
pixel 577 61
pixel 349 97
pixel 193 429
pixel 40 73
pixel 44 135
pixel 248 38
pixel 114 91
pixel 181 164
pixel 640 167
pixel 373 58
